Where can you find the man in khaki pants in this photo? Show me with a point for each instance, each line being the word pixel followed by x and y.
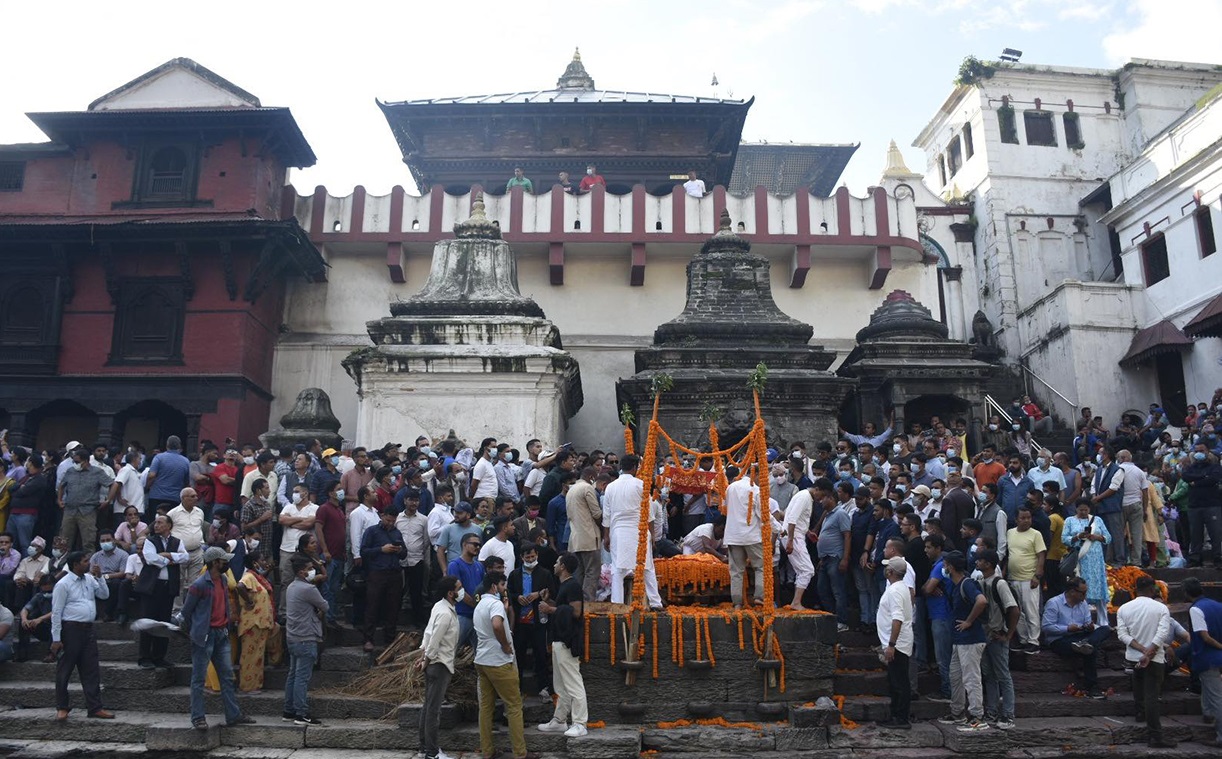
pixel 565 634
pixel 585 531
pixel 494 663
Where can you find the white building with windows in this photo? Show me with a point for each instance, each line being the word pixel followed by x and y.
pixel 1038 152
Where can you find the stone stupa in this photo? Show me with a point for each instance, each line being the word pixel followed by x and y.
pixel 470 347
pixel 730 324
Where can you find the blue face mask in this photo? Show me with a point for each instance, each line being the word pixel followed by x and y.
pixel 845 475
pixel 108 546
pixel 396 469
pixel 901 488
pixel 982 496
pixel 1199 456
pixel 335 461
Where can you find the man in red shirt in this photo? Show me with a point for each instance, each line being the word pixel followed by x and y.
pixel 224 477
pixel 591 178
pixel 333 523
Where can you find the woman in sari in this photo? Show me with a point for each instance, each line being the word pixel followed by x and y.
pixel 1087 535
pixel 257 627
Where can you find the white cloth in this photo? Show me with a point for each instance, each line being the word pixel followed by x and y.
pixel 622 515
pixel 131 489
pixel 895 603
pixel 570 688
pixel 72 600
pixel 534 479
pixel 497 547
pixel 488 651
pixel 290 536
pixel 134 564
pixel 362 518
pixel 694 187
pixel 1143 620
pixel 486 474
pixel 694 540
pixel 738 532
pixel 1135 483
pixel 188 526
pixel 798 514
pixel 440 641
pixel 152 558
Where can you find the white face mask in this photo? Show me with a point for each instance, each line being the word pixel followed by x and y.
pixel 460 595
pixel 311 575
pixel 778 481
pixel 896 448
pixel 252 545
pixel 993 427
pixel 529 564
pixel 248 459
pixel 296 497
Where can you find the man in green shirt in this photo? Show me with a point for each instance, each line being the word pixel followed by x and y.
pixel 519 180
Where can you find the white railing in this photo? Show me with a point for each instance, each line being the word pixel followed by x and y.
pixel 1072 416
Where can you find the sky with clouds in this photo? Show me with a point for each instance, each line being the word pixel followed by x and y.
pixel 838 71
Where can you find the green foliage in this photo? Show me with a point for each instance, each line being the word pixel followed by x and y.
pixel 626 417
pixel 973 70
pixel 758 378
pixel 662 383
pixel 710 413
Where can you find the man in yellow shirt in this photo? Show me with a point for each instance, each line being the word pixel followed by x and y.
pixel 1025 553
pixel 1056 549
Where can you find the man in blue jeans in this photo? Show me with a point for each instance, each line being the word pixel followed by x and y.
pixel 304 610
pixel 833 550
pixel 937 606
pixel 206 614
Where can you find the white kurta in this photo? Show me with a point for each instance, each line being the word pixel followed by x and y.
pixel 798 514
pixel 738 532
pixel 622 516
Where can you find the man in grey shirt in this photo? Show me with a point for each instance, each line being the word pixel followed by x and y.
pixel 82 491
pixel 304 610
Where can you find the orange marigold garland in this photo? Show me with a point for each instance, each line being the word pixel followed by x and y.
pixel 614 635
pixel 655 646
pixel 587 626
pixel 708 642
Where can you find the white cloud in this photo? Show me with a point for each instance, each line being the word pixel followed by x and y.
pixel 1085 11
pixel 1180 31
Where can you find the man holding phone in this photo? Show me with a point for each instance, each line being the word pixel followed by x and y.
pixel 1070 631
pixel 382 547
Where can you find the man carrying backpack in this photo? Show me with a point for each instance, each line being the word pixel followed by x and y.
pixel 1000 627
pixel 968 608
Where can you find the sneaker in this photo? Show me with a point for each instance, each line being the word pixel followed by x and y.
pixel 576 731
pixel 288 717
pixel 443 755
pixel 973 725
pixel 545 694
pixel 893 724
pixel 1030 648
pixel 1082 647
pixel 554 726
pixel 938 698
pixel 951 719
pixel 1096 694
pixel 1005 723
pixel 842 628
pixel 241 720
pixel 307 720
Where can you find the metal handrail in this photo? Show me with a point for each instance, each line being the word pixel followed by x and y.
pixel 991 403
pixel 1073 407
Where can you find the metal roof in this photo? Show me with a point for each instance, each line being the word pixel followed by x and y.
pixel 1163 337
pixel 785 167
pixel 571 95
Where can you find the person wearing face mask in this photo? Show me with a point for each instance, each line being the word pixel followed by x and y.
pixel 257 629
pixel 257 512
pixel 327 472
pixel 1107 493
pixel 112 564
pixel 157 586
pixel 296 519
pixel 987 467
pixel 994 523
pixel 1012 489
pixel 207 615
pixel 33 567
pixel 781 488
pixel 414 527
pixel 438 648
pixel 528 584
pixel 591 179
pixel 483 474
pixel 359 476
pixel 507 485
pixel 1203 475
pixel 304 612
pixel 30 492
pixel 82 490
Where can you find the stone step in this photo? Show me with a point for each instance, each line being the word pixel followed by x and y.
pixel 1054 679
pixel 116 675
pixel 1028 705
pixel 176 699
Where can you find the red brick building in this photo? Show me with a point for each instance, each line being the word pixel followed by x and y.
pixel 144 256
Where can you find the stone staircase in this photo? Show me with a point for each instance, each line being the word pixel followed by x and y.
pixel 152 714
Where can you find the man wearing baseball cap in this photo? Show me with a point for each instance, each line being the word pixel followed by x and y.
pixel 894 624
pixel 206 614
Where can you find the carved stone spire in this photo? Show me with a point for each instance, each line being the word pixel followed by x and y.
pixel 478 226
pixel 575 76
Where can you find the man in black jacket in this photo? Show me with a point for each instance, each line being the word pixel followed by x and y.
pixel 527 585
pixel 1203 474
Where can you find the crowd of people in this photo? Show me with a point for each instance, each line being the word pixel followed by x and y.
pixel 954 549
pixel 693 187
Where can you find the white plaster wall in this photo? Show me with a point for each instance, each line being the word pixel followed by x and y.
pixel 601 318
pixel 176 88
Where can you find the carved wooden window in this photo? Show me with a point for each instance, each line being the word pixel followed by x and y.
pixel 12 176
pixel 166 175
pixel 1154 260
pixel 149 322
pixel 23 316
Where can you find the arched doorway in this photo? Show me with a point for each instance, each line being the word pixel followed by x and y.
pixel 149 423
pixel 61 421
pixel 924 407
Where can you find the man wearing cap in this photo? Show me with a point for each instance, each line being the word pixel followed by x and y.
pixel 894 624
pixel 81 492
pixel 968 607
pixel 168 474
pixel 207 615
pixel 327 472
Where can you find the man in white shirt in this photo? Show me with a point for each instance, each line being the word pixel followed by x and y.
pixel 693 186
pixel 296 519
pixel 1045 471
pixel 127 489
pixel 743 538
pixel 1133 505
pixel 414 527
pixel 1142 625
pixel 706 539
pixel 483 474
pixel 495 667
pixel 796 523
pixel 73 609
pixel 500 544
pixel 621 532
pixel 364 516
pixel 437 648
pixel 894 624
pixel 193 531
